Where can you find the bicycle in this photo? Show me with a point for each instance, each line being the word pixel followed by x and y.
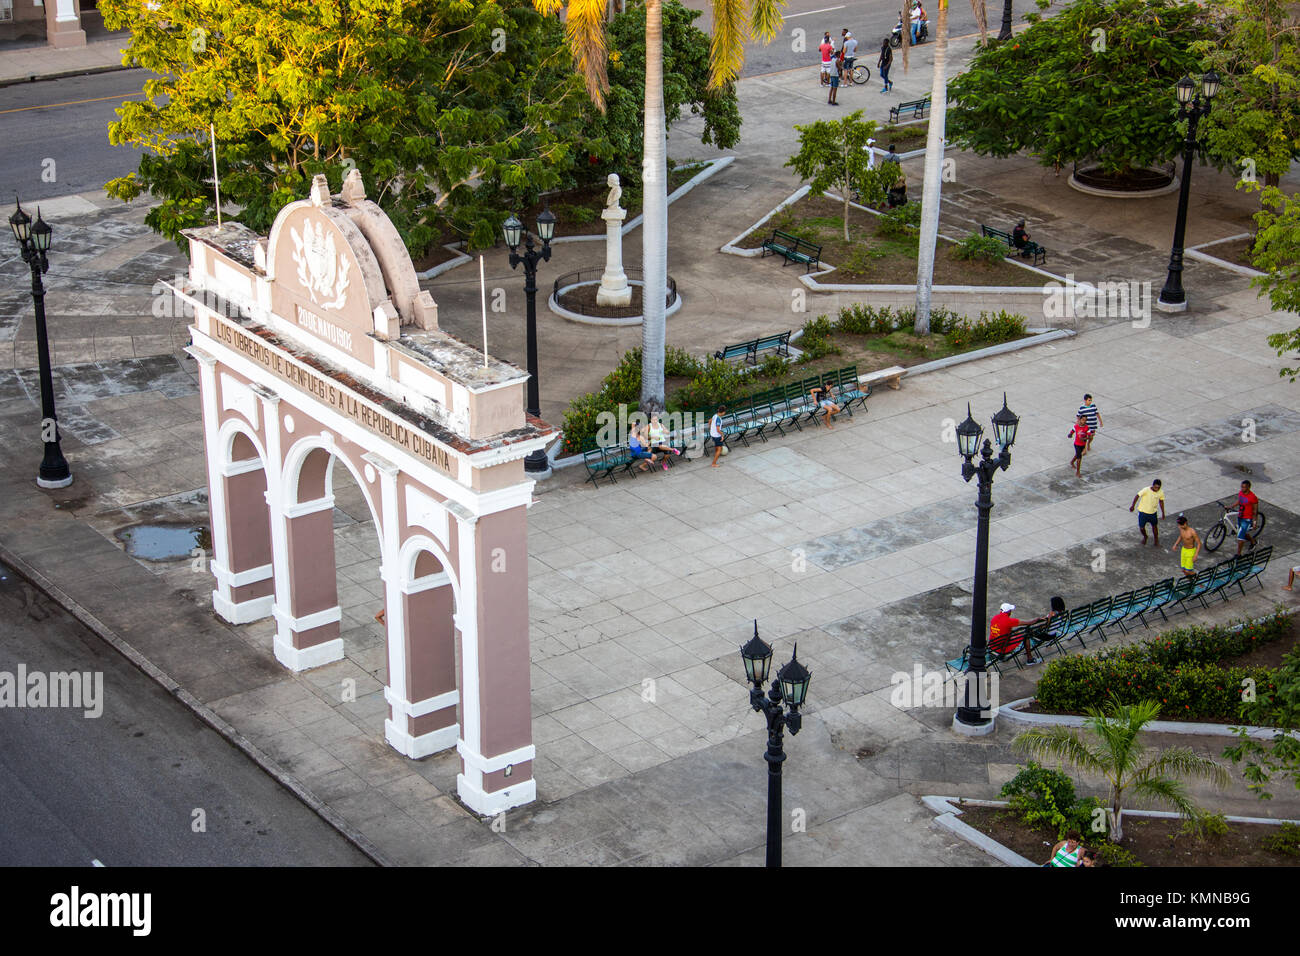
pixel 1227 525
pixel 859 76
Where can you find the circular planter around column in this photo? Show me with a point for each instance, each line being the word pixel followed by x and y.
pixel 590 314
pixel 1085 182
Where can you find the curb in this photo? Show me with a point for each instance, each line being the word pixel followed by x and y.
pixel 64 74
pixel 1155 727
pixel 710 168
pixel 197 707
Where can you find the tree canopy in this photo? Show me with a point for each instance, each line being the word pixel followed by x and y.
pixel 1254 127
pixel 1093 82
pixel 833 155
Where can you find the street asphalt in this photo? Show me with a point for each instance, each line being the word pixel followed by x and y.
pixel 144 784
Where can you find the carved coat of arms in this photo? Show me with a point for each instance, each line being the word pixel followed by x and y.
pixel 322 269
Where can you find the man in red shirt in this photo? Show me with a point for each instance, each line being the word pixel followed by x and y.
pixel 1080 433
pixel 827 50
pixel 1000 627
pixel 1247 505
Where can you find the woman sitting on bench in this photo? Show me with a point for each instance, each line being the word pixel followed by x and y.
pixel 636 443
pixel 658 435
pixel 822 396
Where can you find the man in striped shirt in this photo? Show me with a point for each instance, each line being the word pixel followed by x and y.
pixel 1091 418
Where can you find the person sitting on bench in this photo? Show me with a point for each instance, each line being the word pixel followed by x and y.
pixel 1020 237
pixel 637 446
pixel 822 396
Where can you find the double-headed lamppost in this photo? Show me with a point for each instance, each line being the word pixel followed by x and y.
pixel 34 240
pixel 789 688
pixel 1192 105
pixel 970 719
pixel 536 464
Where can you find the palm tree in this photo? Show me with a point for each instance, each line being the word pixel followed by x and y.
pixel 934 160
pixel 734 23
pixel 1128 767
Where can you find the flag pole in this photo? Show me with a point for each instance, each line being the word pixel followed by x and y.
pixel 216 183
pixel 483 290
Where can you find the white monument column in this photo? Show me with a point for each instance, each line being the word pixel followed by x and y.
pixel 614 289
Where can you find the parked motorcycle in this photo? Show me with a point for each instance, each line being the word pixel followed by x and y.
pixel 922 34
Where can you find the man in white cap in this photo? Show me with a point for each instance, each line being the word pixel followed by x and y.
pixel 1000 627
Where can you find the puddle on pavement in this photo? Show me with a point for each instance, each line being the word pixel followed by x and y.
pixel 163 542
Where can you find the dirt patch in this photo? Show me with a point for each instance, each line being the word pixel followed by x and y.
pixel 903 138
pixel 1155 842
pixel 870 257
pixel 1236 252
pixel 437 253
pixel 582 299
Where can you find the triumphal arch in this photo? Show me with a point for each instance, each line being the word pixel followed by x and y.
pixel 317 348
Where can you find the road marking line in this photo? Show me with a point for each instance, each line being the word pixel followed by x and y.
pixel 51 106
pixel 808 13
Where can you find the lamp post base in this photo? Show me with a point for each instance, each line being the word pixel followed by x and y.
pixel 537 465
pixel 54 482
pixel 974 730
pixel 1164 306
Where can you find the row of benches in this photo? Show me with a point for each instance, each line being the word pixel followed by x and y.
pixel 1120 610
pixel 780 342
pixel 773 409
pixel 785 405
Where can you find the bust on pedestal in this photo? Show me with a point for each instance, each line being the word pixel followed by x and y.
pixel 614 289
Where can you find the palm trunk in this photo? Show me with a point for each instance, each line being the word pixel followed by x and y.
pixel 848 188
pixel 654 226
pixel 1116 820
pixel 1005 33
pixel 933 175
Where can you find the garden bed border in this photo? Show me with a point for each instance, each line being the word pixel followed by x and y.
pixel 1195 252
pixel 950 808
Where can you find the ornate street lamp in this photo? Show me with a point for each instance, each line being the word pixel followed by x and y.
pixel 791 689
pixel 537 465
pixel 1192 105
pixel 34 241
pixel 970 717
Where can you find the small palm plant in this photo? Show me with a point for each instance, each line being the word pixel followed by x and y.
pixel 1129 768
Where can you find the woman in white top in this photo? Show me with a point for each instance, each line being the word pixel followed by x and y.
pixel 715 433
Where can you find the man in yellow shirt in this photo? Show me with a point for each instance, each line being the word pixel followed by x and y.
pixel 1146 501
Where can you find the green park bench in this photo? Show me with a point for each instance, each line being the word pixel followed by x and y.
pixel 1030 250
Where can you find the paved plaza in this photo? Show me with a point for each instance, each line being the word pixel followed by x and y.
pixel 857 543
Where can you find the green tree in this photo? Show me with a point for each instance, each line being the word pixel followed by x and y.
pixel 1278 708
pixel 833 155
pixel 1128 768
pixel 1276 253
pixel 1254 127
pixel 1065 93
pixel 443 105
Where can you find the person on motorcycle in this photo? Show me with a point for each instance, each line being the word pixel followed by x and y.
pixel 918 17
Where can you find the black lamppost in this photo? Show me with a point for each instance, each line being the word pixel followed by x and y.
pixel 1005 32
pixel 1192 105
pixel 790 687
pixel 536 464
pixel 34 240
pixel 970 719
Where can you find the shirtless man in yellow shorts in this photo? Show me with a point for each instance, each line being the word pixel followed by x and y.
pixel 1190 544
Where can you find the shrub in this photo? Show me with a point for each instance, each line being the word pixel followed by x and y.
pixel 1179 669
pixel 859 258
pixel 901 222
pixel 581 423
pixel 1042 797
pixel 1286 840
pixel 1034 785
pixel 773 366
pixel 679 363
pixel 718 383
pixel 980 249
pixel 1206 826
pixel 1000 326
pixel 862 319
pixel 1112 854
pixel 816 339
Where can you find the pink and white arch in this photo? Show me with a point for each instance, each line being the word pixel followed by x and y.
pixel 316 347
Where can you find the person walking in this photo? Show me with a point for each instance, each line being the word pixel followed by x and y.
pixel 1093 417
pixel 1247 507
pixel 1079 433
pixel 884 63
pixel 1149 498
pixel 1190 544
pixel 715 434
